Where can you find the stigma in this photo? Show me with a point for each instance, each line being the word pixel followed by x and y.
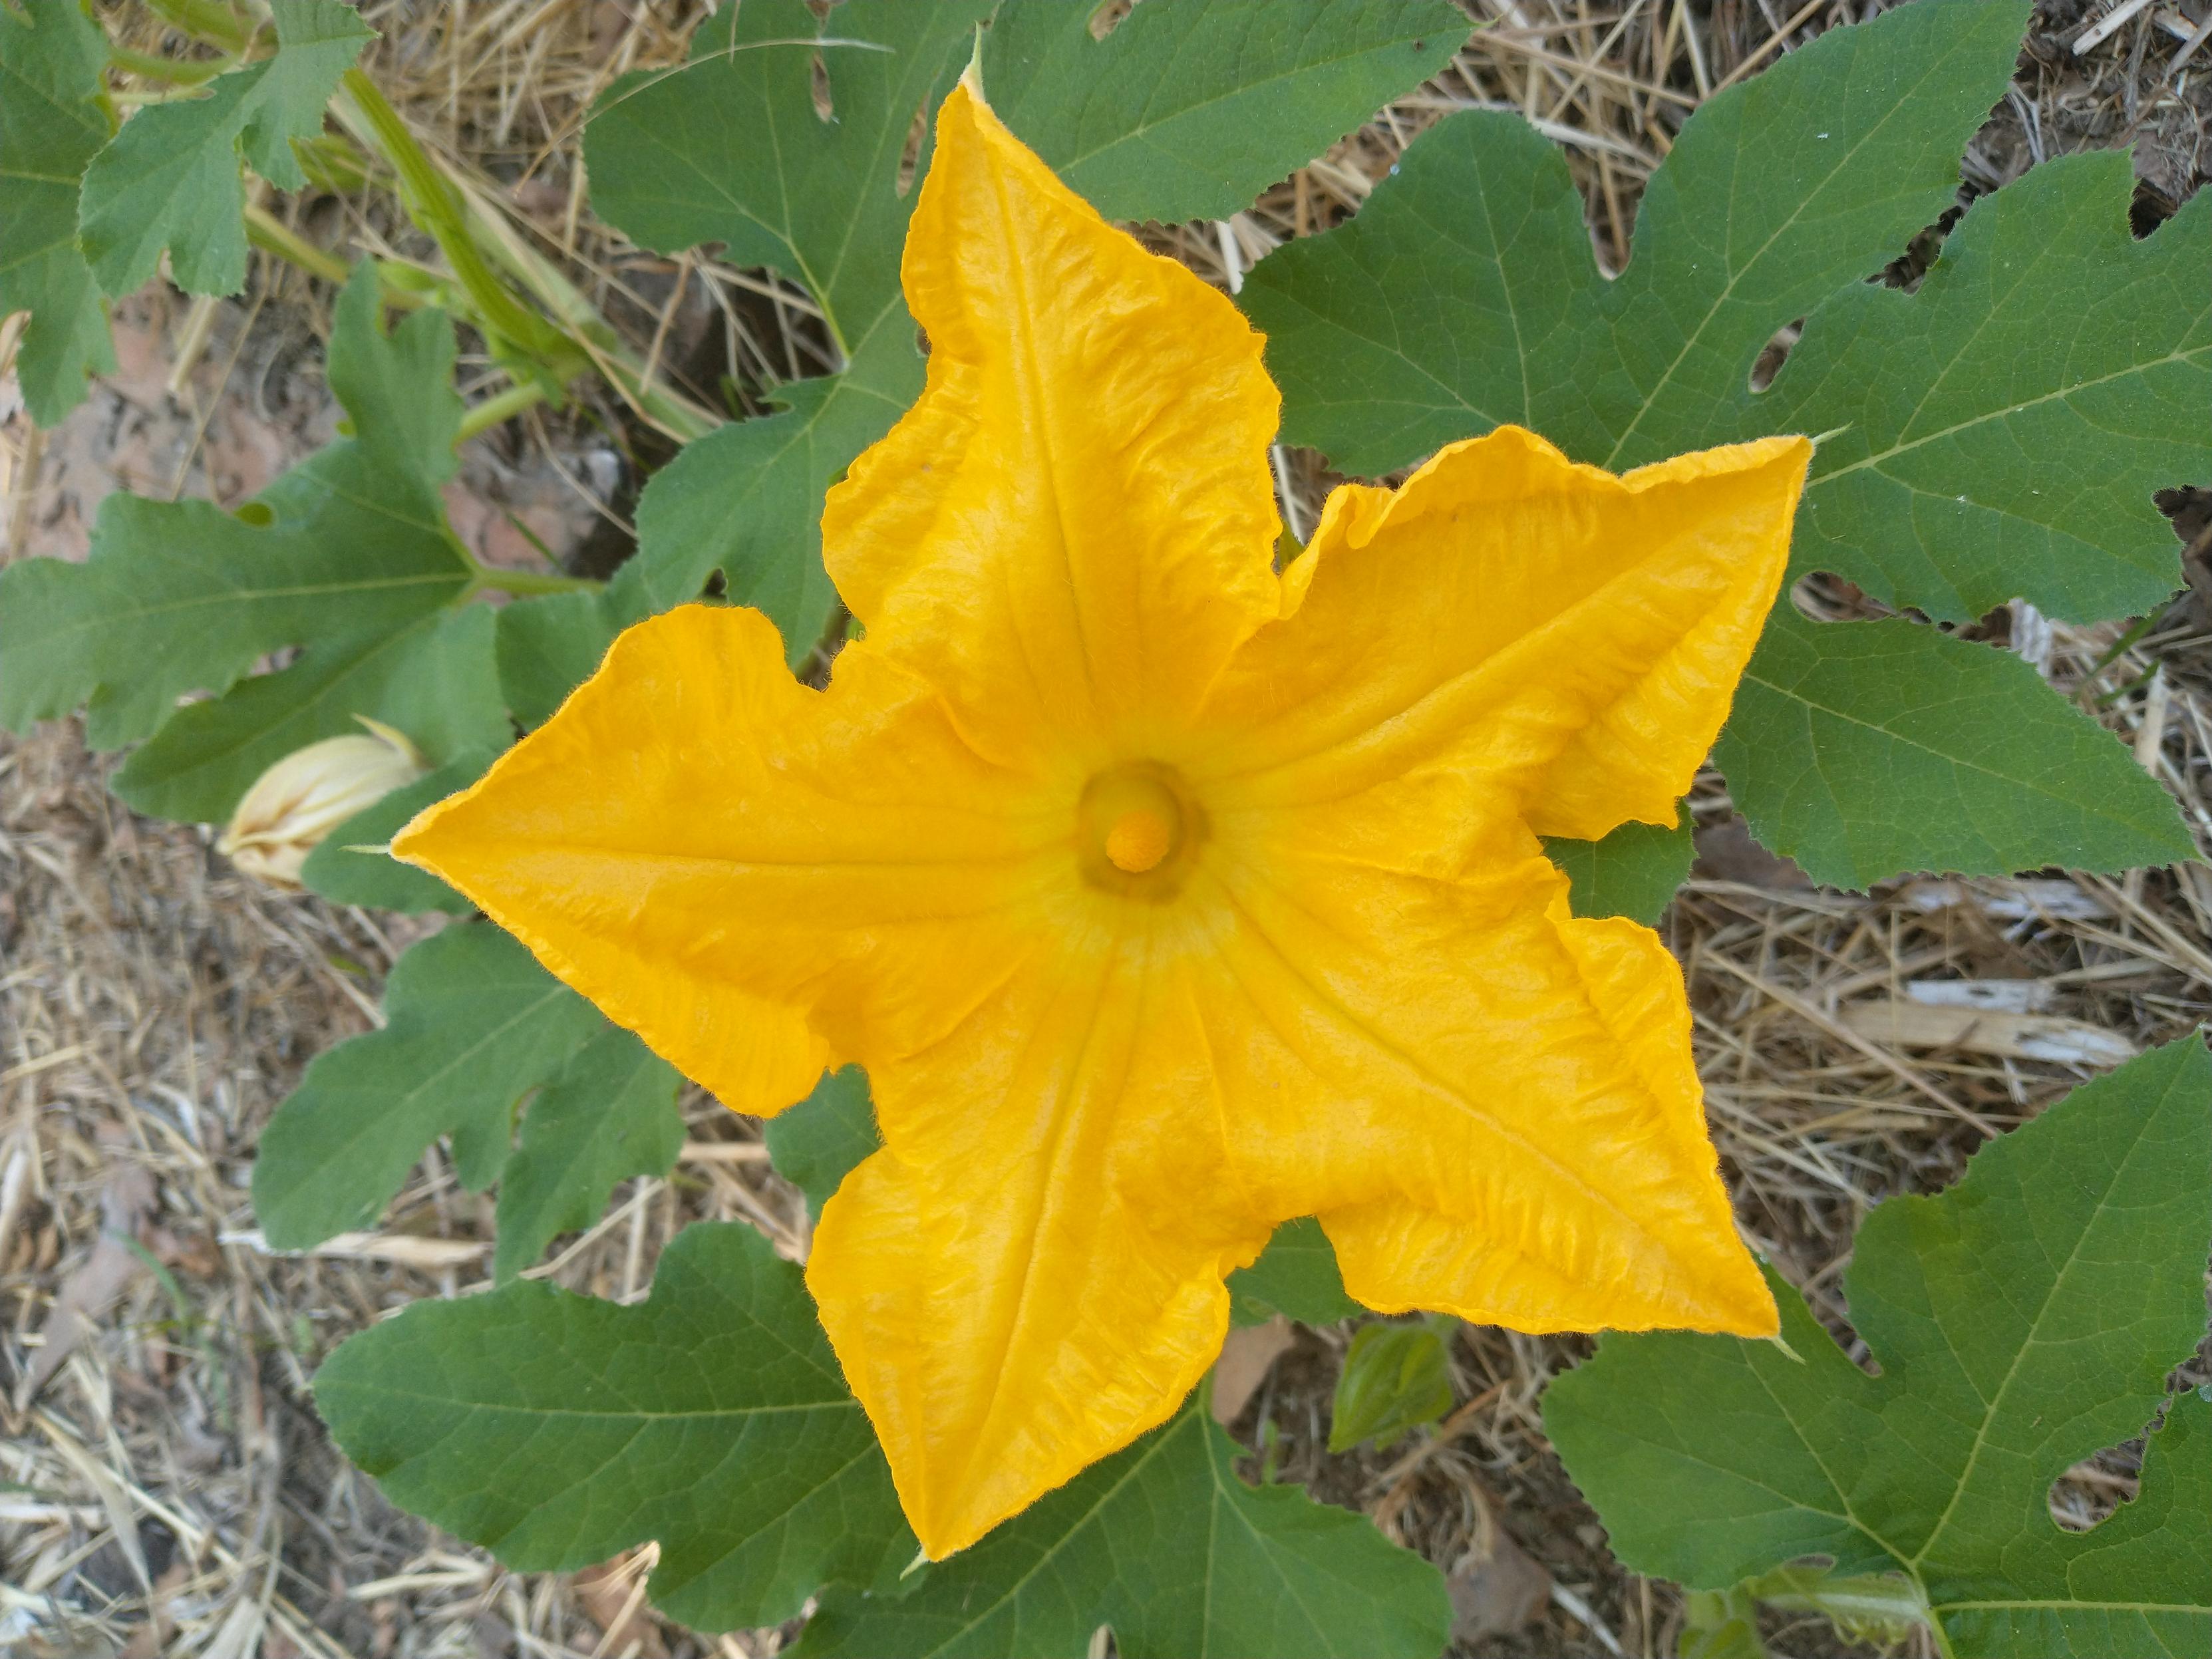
pixel 1140 839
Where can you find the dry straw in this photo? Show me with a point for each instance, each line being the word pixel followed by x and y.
pixel 167 1488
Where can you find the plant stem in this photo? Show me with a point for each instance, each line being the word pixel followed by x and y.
pixel 272 235
pixel 175 71
pixel 210 21
pixel 432 204
pixel 523 394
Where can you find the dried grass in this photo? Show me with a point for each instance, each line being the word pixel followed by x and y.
pixel 171 1490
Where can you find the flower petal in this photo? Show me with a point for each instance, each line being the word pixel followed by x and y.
pixel 715 853
pixel 1073 528
pixel 1030 1275
pixel 1571 639
pixel 1491 1106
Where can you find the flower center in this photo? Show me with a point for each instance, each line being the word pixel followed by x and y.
pixel 1139 840
pixel 1137 828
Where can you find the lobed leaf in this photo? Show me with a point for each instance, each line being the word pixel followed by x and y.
pixel 347 555
pixel 1167 1545
pixel 436 679
pixel 1198 105
pixel 1190 109
pixel 53 120
pixel 2022 1320
pixel 170 180
pixel 729 147
pixel 607 1115
pixel 1998 432
pixel 557 1430
pixel 1868 748
pixel 471 1025
pixel 2001 430
pixel 350 867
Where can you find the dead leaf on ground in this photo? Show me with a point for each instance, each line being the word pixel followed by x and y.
pixel 1726 852
pixel 1497 1589
pixel 86 1294
pixel 1915 1025
pixel 608 1594
pixel 1246 1358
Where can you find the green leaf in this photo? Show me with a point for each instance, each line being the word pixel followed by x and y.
pixel 2001 430
pixel 1296 1275
pixel 1207 102
pixel 729 148
pixel 171 177
pixel 608 1114
pixel 181 597
pixel 1190 108
pixel 1861 749
pixel 436 680
pixel 2021 1321
pixel 471 1024
pixel 341 871
pixel 557 1430
pixel 1395 1378
pixel 1465 293
pixel 1168 1546
pixel 53 60
pixel 549 647
pixel 1634 871
pixel 815 1145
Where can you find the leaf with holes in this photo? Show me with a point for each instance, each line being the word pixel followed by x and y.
pixel 1199 104
pixel 53 122
pixel 2002 430
pixel 1190 108
pixel 471 1025
pixel 347 555
pixel 171 180
pixel 557 1430
pixel 1166 1543
pixel 730 148
pixel 607 1115
pixel 1998 432
pixel 2022 1321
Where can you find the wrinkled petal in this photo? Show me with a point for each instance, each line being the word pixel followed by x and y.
pixel 1073 528
pixel 1030 1275
pixel 1567 641
pixel 715 853
pixel 1491 1106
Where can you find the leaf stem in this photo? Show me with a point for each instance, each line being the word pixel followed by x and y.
pixel 433 205
pixel 501 406
pixel 524 584
pixel 210 21
pixel 176 71
pixel 272 235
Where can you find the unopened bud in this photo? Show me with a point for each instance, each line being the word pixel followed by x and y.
pixel 309 793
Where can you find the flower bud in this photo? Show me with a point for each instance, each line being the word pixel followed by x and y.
pixel 309 793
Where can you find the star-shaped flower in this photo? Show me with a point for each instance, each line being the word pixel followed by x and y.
pixel 1164 898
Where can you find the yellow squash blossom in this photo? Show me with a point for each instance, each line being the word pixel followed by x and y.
pixel 1164 898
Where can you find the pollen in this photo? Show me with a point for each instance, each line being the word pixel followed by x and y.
pixel 1140 839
